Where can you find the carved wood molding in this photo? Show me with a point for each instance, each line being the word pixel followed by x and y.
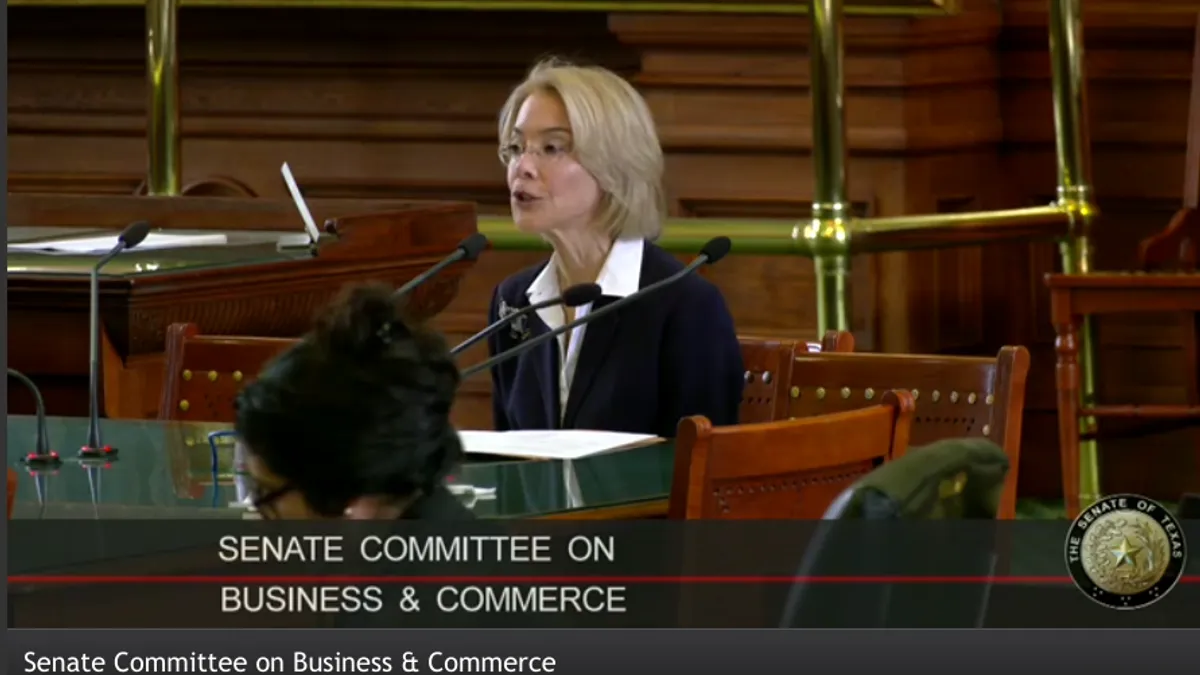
pixel 912 86
pixel 978 22
pixel 417 91
pixel 1131 18
pixel 699 207
pixel 74 183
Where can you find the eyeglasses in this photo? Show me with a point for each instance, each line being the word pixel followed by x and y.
pixel 545 151
pixel 264 503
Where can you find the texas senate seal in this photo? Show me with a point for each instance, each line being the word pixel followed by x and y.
pixel 1126 551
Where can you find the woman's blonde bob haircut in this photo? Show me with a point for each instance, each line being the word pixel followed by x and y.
pixel 613 137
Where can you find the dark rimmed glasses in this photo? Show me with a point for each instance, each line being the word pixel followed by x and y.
pixel 264 502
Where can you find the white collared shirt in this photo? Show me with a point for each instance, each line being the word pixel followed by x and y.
pixel 620 276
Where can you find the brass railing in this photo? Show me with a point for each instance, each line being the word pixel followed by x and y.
pixel 832 235
pixel 163 141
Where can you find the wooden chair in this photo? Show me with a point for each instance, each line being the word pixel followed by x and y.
pixel 204 373
pixel 768 363
pixel 840 341
pixel 12 491
pixel 791 469
pixel 786 470
pixel 956 396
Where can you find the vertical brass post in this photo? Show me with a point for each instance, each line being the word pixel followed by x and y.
pixel 162 104
pixel 1069 82
pixel 827 231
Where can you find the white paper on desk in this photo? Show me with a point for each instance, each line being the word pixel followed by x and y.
pixel 552 444
pixel 105 244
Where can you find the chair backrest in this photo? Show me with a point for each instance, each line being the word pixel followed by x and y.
pixel 768 363
pixel 956 396
pixel 768 366
pixel 204 373
pixel 782 470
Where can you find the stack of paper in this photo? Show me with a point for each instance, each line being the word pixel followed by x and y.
pixel 104 244
pixel 562 444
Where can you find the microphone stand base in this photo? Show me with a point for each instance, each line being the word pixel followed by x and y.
pixel 95 462
pixel 38 461
pixel 104 452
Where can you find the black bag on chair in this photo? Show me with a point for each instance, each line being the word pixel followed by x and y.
pixel 958 482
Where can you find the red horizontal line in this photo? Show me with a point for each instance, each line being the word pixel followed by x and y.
pixel 413 580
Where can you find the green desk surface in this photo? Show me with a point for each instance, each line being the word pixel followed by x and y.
pixel 242 249
pixel 165 470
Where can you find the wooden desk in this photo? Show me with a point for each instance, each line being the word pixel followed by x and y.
pixel 246 287
pixel 1072 297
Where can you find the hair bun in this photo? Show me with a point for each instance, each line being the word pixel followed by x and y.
pixel 364 320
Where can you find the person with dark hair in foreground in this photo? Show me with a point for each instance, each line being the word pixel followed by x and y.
pixel 354 420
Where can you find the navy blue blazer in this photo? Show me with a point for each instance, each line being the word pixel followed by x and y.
pixel 642 368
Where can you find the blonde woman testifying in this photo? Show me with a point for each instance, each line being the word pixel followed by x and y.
pixel 584 169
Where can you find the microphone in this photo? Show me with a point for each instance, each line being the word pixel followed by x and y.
pixel 131 236
pixel 42 455
pixel 468 249
pixel 713 251
pixel 575 296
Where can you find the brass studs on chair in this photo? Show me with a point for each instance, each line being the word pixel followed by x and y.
pixel 987 429
pixel 187 374
pixel 937 395
pixel 766 377
pixel 747 376
pixel 212 376
pixel 845 392
pixel 971 398
pixel 795 392
pixel 954 397
pixel 990 399
pixel 184 405
pixel 916 394
pixel 869 393
pixel 237 376
pixel 820 393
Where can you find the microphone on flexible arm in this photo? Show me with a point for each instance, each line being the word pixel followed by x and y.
pixel 467 249
pixel 713 251
pixel 131 236
pixel 42 455
pixel 575 296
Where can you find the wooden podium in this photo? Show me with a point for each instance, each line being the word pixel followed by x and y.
pixel 249 285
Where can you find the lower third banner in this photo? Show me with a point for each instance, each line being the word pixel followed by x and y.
pixel 598 652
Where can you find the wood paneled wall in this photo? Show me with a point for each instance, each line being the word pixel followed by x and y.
pixel 946 114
